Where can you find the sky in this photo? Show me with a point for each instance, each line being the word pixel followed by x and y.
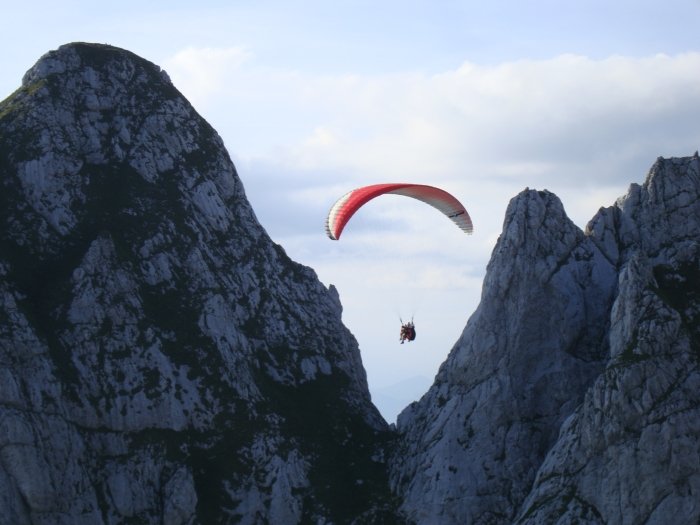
pixel 315 98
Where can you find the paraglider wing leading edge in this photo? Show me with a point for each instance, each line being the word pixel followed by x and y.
pixel 345 207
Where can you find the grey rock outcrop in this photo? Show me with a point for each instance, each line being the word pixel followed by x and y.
pixel 520 368
pixel 572 395
pixel 631 452
pixel 161 359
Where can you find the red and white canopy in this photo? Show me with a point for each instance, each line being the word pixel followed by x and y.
pixel 348 204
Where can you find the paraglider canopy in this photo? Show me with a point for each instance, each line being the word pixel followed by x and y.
pixel 341 212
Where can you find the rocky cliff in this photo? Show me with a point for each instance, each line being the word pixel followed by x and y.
pixel 573 393
pixel 161 360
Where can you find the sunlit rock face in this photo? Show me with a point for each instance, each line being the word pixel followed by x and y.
pixel 161 360
pixel 573 393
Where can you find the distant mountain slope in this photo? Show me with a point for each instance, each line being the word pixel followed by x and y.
pixel 161 360
pixel 392 399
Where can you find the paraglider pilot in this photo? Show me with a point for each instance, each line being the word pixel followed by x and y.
pixel 408 332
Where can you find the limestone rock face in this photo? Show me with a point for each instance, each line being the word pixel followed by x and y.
pixel 161 359
pixel 520 368
pixel 572 394
pixel 630 453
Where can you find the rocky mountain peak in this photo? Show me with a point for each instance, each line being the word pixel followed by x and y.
pixel 161 358
pixel 654 217
pixel 582 349
pixel 519 369
pixel 636 432
pixel 537 235
pixel 87 60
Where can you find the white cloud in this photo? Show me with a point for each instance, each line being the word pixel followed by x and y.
pixel 201 73
pixel 534 121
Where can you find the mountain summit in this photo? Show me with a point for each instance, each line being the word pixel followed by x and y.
pixel 573 393
pixel 163 361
